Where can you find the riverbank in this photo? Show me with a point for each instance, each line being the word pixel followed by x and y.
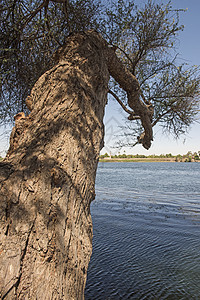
pixel 147 159
pixel 134 159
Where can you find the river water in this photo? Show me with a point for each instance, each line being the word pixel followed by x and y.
pixel 146 223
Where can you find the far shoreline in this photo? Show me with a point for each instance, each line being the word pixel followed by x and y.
pixel 140 160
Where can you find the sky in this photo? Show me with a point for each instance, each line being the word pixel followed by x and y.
pixel 189 50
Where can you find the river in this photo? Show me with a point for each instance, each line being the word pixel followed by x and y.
pixel 146 224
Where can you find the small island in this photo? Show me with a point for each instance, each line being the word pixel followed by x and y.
pixel 189 157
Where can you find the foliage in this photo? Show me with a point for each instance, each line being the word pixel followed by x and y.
pixel 145 37
pixel 188 157
pixel 104 155
pixel 30 33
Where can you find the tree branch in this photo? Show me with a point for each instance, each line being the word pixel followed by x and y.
pixel 34 13
pixel 130 84
pixel 59 1
pixel 147 102
pixel 120 102
pixel 132 115
pixel 66 8
pixel 127 56
pixel 153 124
pixel 160 117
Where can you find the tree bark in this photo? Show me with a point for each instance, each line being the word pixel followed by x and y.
pixel 48 176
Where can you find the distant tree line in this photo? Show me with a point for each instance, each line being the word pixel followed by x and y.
pixel 188 157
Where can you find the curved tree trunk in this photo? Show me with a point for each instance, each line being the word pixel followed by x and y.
pixel 47 179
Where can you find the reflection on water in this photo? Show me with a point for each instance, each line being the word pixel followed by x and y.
pixel 146 220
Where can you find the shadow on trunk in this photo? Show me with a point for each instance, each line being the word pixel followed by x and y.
pixel 47 179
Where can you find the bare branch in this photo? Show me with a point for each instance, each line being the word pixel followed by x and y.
pixel 59 1
pixel 147 102
pixel 130 84
pixel 127 56
pixel 121 103
pixel 161 116
pixel 132 115
pixel 35 12
pixel 66 10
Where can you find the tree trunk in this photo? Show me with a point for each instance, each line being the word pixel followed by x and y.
pixel 47 179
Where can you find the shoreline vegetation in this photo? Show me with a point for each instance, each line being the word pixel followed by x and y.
pixel 189 157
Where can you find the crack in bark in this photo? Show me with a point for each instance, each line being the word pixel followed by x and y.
pixel 23 256
pixel 16 284
pixel 10 289
pixel 7 229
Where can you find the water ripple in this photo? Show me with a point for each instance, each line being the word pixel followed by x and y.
pixel 146 242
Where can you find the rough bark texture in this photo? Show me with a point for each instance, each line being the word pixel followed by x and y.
pixel 47 179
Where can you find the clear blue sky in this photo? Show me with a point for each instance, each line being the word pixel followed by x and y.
pixel 189 50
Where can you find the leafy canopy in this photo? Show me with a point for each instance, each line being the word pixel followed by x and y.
pixel 146 42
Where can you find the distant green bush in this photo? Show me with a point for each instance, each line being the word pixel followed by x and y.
pixel 186 157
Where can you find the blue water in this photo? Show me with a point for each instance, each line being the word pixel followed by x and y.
pixel 146 223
